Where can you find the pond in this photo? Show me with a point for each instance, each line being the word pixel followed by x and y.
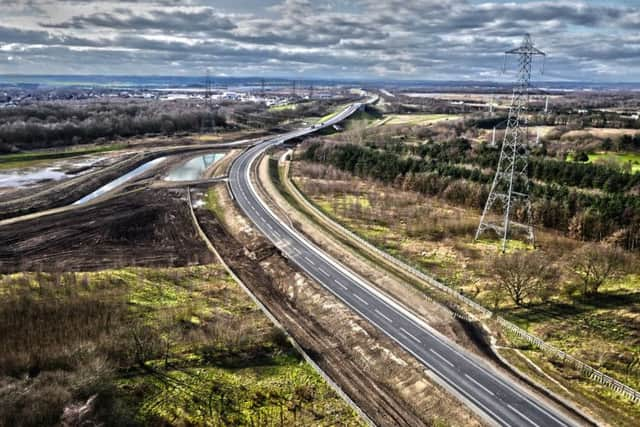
pixel 194 168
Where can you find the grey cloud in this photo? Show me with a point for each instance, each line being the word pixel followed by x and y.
pixel 399 38
pixel 170 21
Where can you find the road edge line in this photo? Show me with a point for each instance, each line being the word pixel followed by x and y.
pixel 273 319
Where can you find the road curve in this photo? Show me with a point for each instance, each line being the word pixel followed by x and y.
pixel 492 395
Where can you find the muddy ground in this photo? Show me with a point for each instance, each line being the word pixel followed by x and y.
pixel 58 194
pixel 151 228
pixel 68 191
pixel 384 381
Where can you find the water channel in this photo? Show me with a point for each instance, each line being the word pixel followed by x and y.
pixel 118 182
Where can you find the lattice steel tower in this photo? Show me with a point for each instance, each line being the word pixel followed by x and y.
pixel 207 91
pixel 510 188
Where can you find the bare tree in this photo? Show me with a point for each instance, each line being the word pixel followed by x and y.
pixel 595 264
pixel 357 132
pixel 523 276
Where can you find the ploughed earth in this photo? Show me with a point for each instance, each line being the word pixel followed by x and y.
pixel 148 227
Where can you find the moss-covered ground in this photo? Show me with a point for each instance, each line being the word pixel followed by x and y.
pixel 182 346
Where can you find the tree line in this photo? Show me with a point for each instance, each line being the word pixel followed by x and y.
pixel 573 174
pixel 584 215
pixel 52 125
pixel 48 125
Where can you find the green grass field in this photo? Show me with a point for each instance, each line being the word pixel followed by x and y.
pixel 601 331
pixel 283 107
pixel 336 111
pixel 621 159
pixel 417 119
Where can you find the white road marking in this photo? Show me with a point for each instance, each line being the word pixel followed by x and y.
pixel 464 357
pixel 479 385
pixel 410 335
pixel 323 272
pixel 341 285
pixel 383 315
pixel 478 403
pixel 309 260
pixel 522 415
pixel 442 357
pixel 360 298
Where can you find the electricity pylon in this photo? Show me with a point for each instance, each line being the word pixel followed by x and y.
pixel 208 102
pixel 207 90
pixel 510 187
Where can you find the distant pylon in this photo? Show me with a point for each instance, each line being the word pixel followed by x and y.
pixel 293 88
pixel 262 88
pixel 510 187
pixel 546 105
pixel 207 89
pixel 311 91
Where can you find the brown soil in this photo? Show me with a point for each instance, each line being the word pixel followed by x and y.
pixel 70 190
pixel 387 383
pixel 60 194
pixel 143 228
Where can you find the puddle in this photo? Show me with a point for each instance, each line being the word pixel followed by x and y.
pixel 117 182
pixel 194 168
pixel 17 179
pixel 31 176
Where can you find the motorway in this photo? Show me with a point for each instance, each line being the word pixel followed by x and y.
pixel 491 394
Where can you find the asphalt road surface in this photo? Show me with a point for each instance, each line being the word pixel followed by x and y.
pixel 491 394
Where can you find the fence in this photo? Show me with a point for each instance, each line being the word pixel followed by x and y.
pixel 585 369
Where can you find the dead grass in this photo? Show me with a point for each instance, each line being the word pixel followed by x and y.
pixel 602 331
pixel 138 347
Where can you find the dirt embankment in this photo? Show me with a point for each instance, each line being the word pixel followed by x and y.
pixel 385 382
pixel 150 228
pixel 68 191
pixel 50 196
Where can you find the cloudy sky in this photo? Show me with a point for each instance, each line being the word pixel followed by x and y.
pixel 392 39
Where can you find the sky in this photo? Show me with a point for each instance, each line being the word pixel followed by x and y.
pixel 595 41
